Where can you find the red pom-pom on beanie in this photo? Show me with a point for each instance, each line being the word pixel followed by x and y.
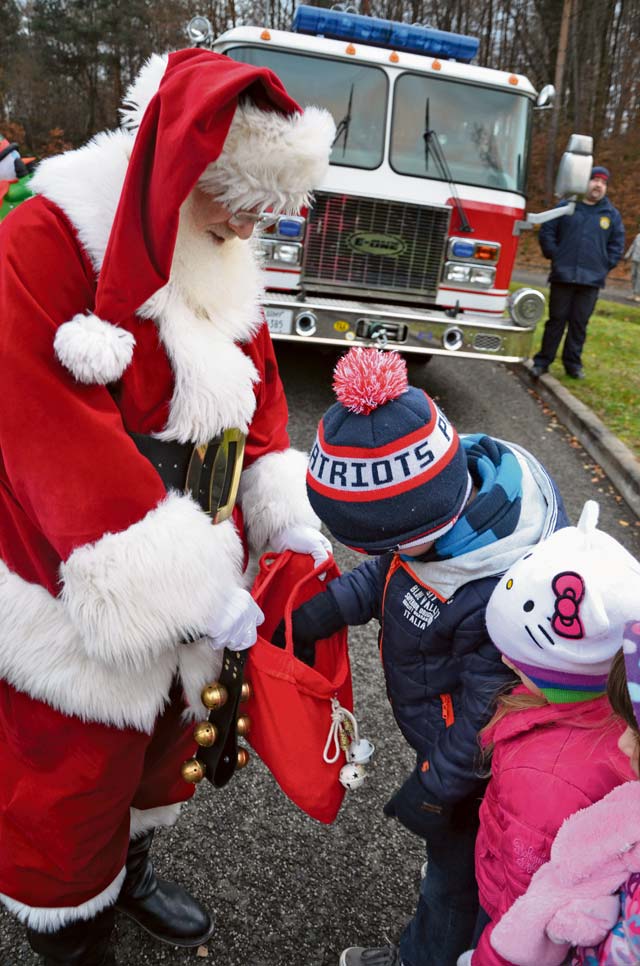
pixel 365 379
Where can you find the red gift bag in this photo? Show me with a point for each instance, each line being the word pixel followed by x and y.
pixel 290 707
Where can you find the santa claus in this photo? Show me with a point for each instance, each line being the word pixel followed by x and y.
pixel 131 345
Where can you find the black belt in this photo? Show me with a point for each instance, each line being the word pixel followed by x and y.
pixel 210 473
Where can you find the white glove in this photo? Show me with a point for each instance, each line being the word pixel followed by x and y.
pixel 303 539
pixel 235 623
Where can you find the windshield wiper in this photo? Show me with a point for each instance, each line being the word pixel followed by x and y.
pixel 431 139
pixel 343 126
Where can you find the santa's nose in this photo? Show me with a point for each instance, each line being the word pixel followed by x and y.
pixel 242 229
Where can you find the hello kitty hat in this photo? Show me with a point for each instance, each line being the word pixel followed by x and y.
pixel 559 613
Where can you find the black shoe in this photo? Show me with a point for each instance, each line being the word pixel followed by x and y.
pixel 576 374
pixel 536 371
pixel 165 910
pixel 83 943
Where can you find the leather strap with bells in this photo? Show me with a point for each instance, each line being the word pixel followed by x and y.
pixel 221 758
pixel 218 753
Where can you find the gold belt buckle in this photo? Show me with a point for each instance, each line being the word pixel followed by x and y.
pixel 213 474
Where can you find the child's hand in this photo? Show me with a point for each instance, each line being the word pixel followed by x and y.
pixel 416 810
pixel 314 620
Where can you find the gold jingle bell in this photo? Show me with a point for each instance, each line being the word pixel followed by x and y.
pixel 246 691
pixel 243 758
pixel 214 696
pixel 193 771
pixel 243 725
pixel 205 734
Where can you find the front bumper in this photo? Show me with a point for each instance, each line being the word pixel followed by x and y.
pixel 325 321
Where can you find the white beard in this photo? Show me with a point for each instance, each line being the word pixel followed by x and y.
pixel 211 302
pixel 220 282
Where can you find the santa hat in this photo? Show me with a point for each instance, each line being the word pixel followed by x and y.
pixel 559 614
pixel 387 470
pixel 199 118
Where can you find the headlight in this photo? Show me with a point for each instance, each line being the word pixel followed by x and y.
pixel 526 307
pixel 483 277
pixel 472 275
pixel 289 254
pixel 457 273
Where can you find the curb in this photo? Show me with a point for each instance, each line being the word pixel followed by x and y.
pixel 616 459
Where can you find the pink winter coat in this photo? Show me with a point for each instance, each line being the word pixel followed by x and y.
pixel 572 897
pixel 547 763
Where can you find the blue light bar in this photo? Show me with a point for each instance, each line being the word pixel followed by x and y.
pixel 384 33
pixel 463 249
pixel 289 228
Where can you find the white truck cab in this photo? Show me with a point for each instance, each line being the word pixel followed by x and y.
pixel 410 241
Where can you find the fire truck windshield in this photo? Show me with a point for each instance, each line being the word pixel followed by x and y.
pixel 484 132
pixel 355 94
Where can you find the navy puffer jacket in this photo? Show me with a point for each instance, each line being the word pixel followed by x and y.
pixel 442 671
pixel 585 246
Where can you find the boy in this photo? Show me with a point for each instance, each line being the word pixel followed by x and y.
pixel 442 517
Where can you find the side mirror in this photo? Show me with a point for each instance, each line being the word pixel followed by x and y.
pixel 575 167
pixel 546 96
pixel 199 31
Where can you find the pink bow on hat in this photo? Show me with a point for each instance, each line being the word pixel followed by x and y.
pixel 569 590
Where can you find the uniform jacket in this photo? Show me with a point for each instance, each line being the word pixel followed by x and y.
pixel 585 246
pixel 547 763
pixel 573 898
pixel 442 671
pixel 102 572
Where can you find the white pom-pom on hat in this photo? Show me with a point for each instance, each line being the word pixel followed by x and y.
pixel 93 350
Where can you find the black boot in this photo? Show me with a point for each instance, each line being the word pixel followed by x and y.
pixel 84 943
pixel 163 908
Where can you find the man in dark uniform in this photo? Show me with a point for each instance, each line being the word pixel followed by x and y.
pixel 583 248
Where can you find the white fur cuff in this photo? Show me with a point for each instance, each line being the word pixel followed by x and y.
pixel 273 496
pixel 94 351
pixel 134 594
pixel 46 919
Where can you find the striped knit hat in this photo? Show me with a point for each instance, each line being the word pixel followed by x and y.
pixel 559 613
pixel 387 470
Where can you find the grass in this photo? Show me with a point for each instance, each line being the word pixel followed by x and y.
pixel 611 358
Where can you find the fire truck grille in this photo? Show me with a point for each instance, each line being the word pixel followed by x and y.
pixel 375 245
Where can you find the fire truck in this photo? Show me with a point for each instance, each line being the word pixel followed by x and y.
pixel 410 241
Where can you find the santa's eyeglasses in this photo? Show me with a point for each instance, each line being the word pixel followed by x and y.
pixel 259 220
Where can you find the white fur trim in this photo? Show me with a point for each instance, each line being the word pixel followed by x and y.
pixel 43 655
pixel 139 93
pixel 89 202
pixel 45 919
pixel 135 594
pixel 144 820
pixel 270 159
pixel 273 496
pixel 94 351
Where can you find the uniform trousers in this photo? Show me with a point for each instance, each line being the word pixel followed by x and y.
pixel 570 307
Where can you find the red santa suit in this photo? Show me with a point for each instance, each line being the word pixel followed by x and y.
pixel 117 318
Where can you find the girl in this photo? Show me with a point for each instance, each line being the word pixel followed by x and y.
pixel 557 616
pixel 588 894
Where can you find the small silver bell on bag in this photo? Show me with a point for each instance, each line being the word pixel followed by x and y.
pixel 352 775
pixel 360 752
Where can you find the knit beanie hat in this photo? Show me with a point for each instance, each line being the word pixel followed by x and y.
pixel 559 613
pixel 387 470
pixel 599 171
